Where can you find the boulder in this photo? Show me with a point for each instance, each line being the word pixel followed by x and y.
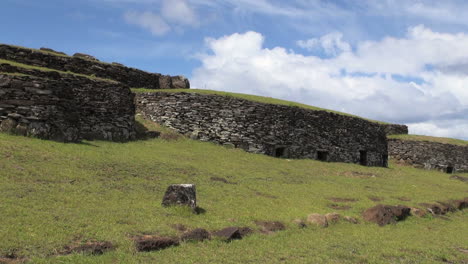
pixel 196 235
pixel 386 214
pixel 181 194
pixel 317 219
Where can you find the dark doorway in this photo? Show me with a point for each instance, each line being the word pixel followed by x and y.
pixel 363 157
pixel 322 155
pixel 280 152
pixel 385 160
pixel 449 170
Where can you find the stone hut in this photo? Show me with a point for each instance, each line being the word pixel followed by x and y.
pixel 276 130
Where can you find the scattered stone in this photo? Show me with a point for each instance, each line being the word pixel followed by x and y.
pixel 245 231
pixel 181 194
pixel 300 223
pixel 85 56
pixel 317 219
pixel 154 243
pixel 270 226
pixel 375 198
pixel 343 200
pixel 417 212
pixel 333 218
pixel 339 207
pixel 88 247
pixel 386 214
pixel 228 234
pixel 350 219
pixel 196 235
pixel 460 178
pixel 53 51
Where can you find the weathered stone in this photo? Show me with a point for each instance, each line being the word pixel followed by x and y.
pixel 245 231
pixel 299 223
pixel 430 155
pixel 350 219
pixel 386 214
pixel 198 234
pixel 318 220
pixel 418 212
pixel 333 218
pixel 270 226
pixel 88 66
pixel 275 130
pixel 8 125
pixel 179 82
pixel 228 233
pixel 181 194
pixel 154 243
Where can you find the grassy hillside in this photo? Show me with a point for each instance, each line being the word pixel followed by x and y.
pixel 432 139
pixel 254 98
pixel 52 194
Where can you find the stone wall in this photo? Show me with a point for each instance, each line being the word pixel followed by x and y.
pixel 430 155
pixel 65 107
pixel 395 129
pixel 276 130
pixel 79 64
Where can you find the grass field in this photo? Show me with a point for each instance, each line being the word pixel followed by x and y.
pixel 452 141
pixel 52 194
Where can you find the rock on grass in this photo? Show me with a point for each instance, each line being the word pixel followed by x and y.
pixel 154 243
pixel 386 214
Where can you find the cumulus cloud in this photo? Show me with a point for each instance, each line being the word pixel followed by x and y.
pixel 394 79
pixel 175 14
pixel 148 20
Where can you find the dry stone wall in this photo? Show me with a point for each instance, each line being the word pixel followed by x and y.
pixel 79 64
pixel 395 129
pixel 65 107
pixel 430 155
pixel 275 130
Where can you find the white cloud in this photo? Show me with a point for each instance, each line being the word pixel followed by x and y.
pixel 332 44
pixel 361 82
pixel 148 20
pixel 179 12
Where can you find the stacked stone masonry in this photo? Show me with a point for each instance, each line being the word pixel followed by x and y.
pixel 430 155
pixel 66 107
pixel 275 130
pixel 84 65
pixel 395 129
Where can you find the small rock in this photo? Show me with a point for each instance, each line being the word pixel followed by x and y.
pixel 417 212
pixel 181 194
pixel 270 226
pixel 153 243
pixel 350 219
pixel 245 231
pixel 333 217
pixel 228 233
pixel 317 219
pixel 198 234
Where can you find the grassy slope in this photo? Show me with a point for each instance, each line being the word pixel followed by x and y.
pixel 432 139
pixel 255 98
pixel 54 193
pixel 26 66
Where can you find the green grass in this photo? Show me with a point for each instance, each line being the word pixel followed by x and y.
pixel 254 98
pixel 52 194
pixel 44 69
pixel 452 141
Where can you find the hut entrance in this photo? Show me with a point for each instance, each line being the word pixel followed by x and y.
pixel 449 170
pixel 280 152
pixel 322 155
pixel 363 157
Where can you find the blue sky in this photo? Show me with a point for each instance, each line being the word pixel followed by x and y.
pixel 403 61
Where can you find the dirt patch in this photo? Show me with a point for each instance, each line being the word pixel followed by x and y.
pixel 459 178
pixel 196 235
pixel 270 226
pixel 343 200
pixel 339 207
pixel 375 198
pixel 386 214
pixel 154 243
pixel 12 258
pixel 223 180
pixel 404 199
pixel 266 195
pixel 88 247
pixel 359 175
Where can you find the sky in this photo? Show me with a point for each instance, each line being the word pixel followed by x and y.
pixel 398 61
